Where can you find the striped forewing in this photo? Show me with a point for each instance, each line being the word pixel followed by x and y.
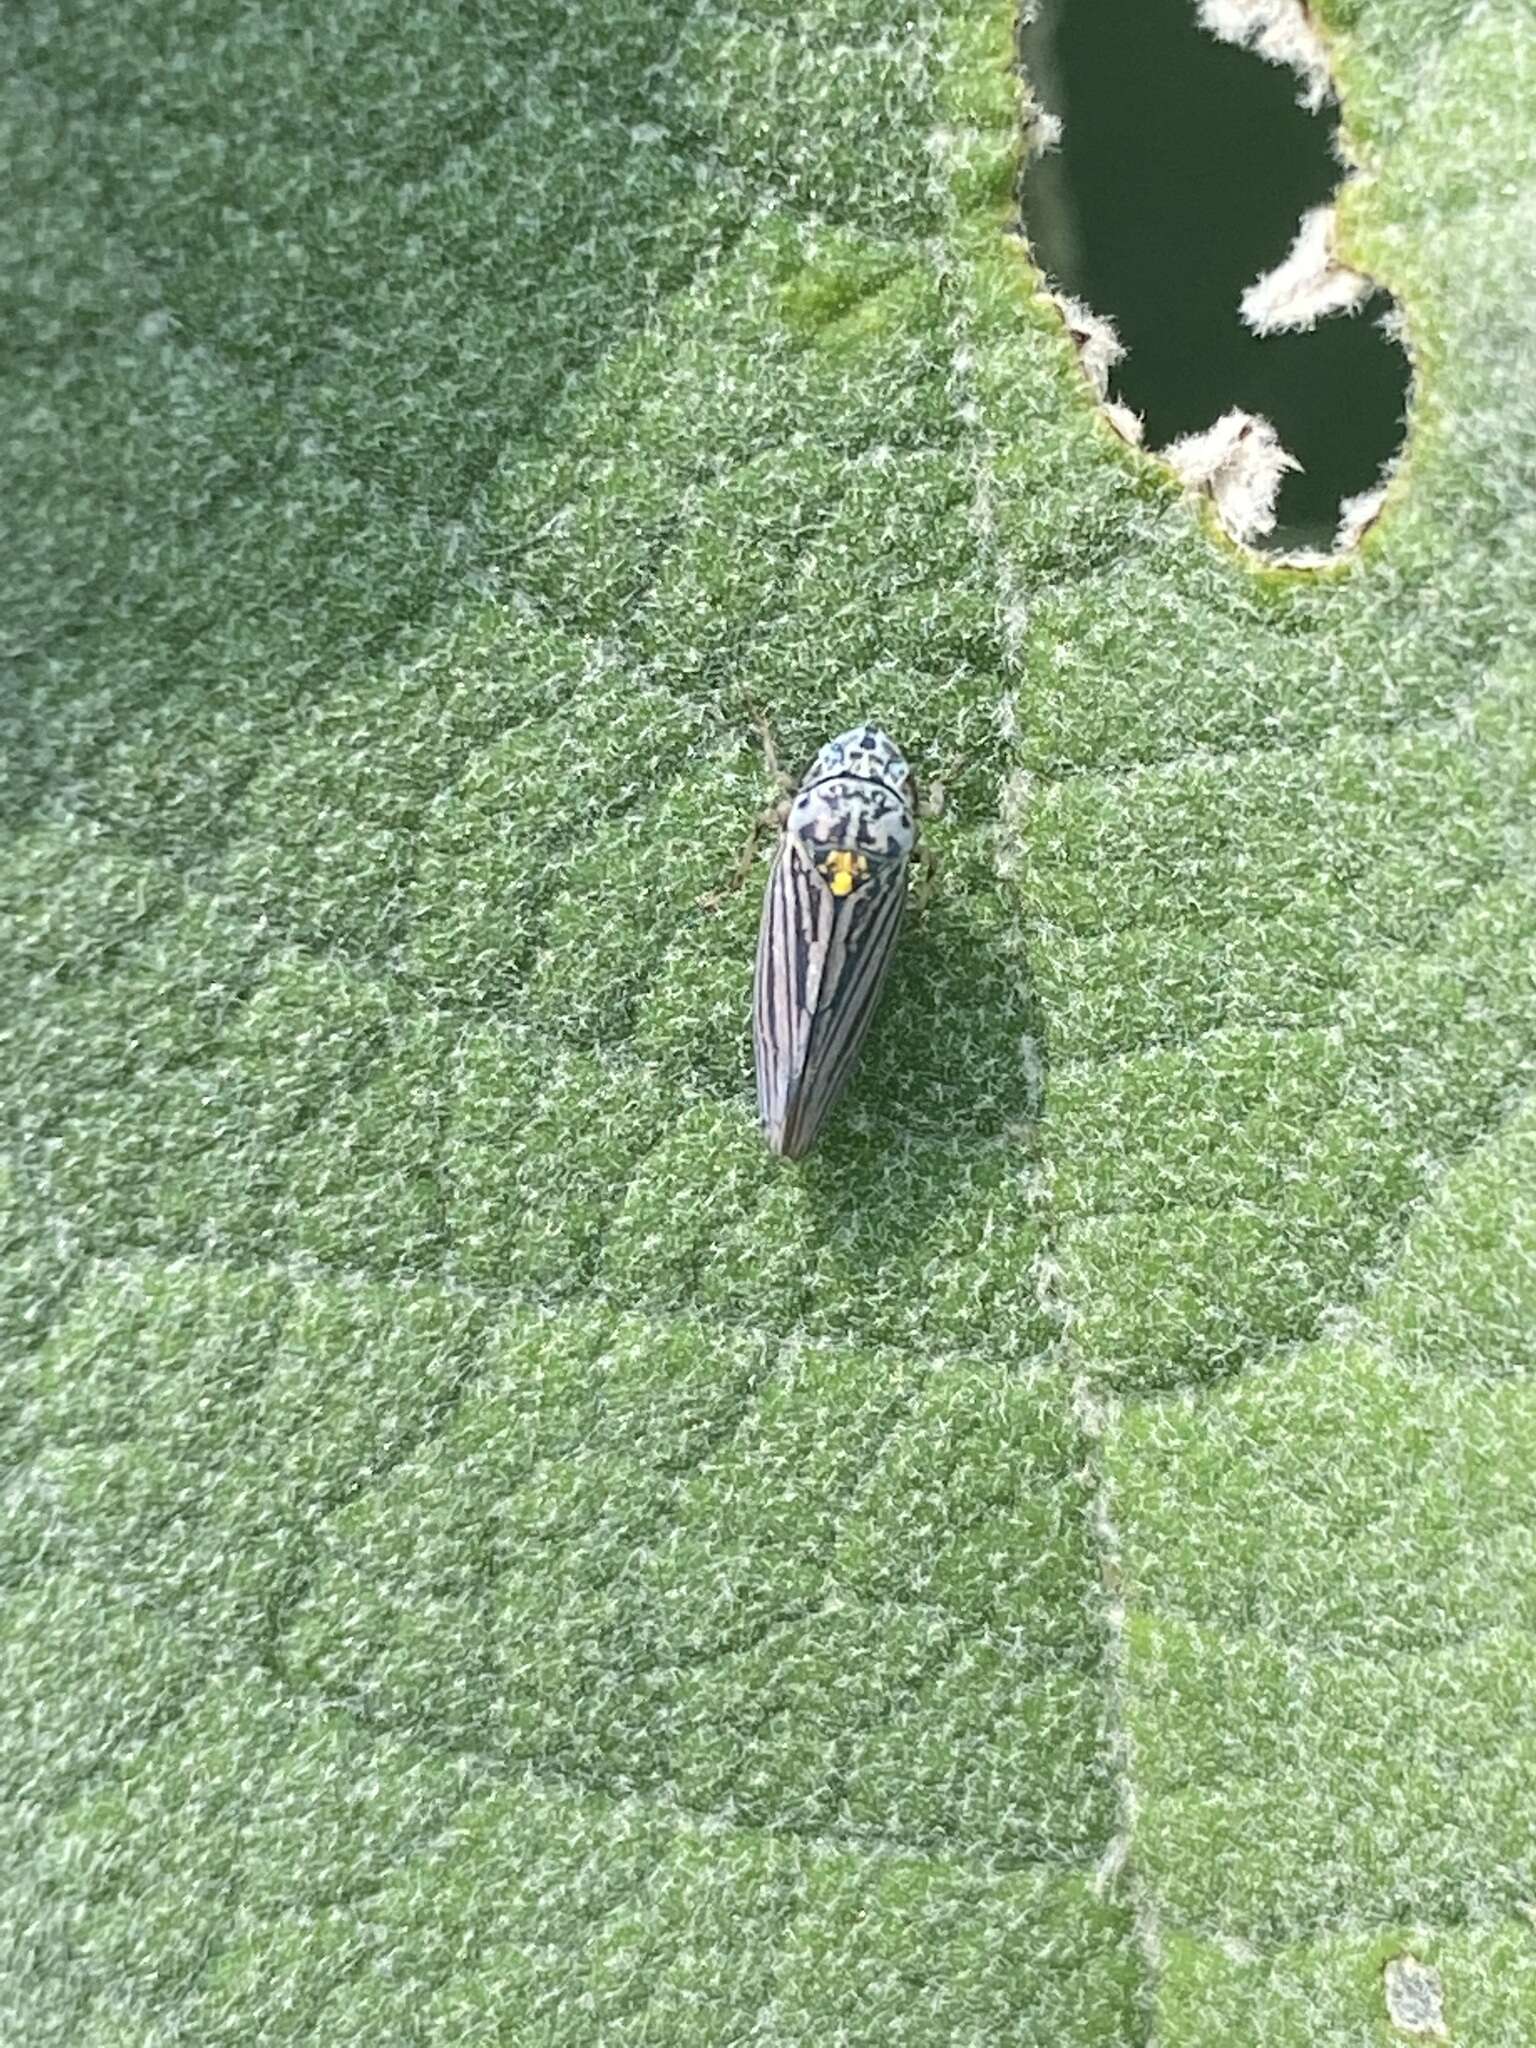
pixel 821 963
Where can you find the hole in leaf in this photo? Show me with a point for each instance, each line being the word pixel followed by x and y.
pixel 1187 178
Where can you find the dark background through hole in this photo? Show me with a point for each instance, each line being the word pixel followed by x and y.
pixel 1183 172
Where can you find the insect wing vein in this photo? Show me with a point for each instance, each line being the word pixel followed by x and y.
pixel 820 968
pixel 788 974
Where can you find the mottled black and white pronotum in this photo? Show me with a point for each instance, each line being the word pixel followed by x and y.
pixel 833 907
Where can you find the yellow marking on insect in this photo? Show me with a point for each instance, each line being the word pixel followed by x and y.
pixel 844 870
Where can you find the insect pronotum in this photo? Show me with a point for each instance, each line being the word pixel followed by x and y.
pixel 831 912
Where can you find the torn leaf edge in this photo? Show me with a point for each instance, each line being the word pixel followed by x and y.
pixel 1311 282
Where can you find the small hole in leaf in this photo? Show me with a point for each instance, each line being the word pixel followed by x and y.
pixel 1186 172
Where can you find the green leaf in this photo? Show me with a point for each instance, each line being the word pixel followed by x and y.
pixel 490 1554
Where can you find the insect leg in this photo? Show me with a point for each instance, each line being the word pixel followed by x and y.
pixel 786 785
pixel 771 817
pixel 928 865
pixel 933 796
